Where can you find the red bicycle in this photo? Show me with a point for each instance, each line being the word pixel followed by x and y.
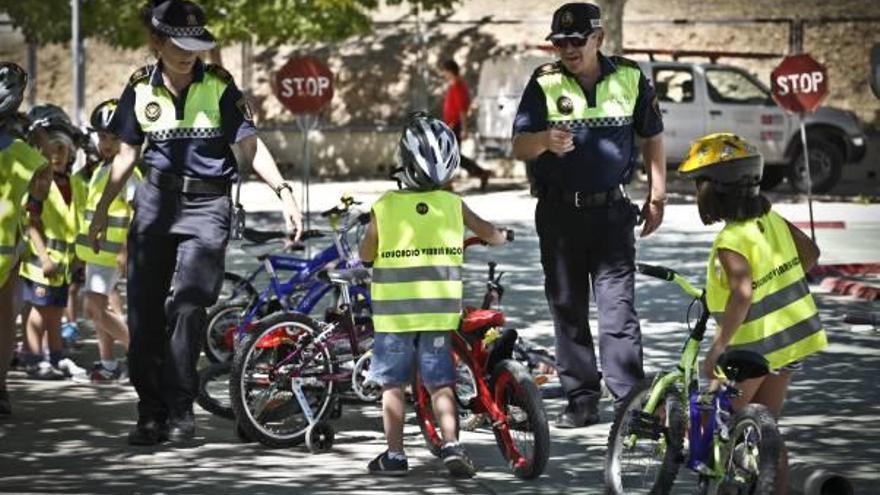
pixel 493 385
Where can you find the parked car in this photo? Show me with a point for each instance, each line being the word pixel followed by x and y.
pixel 697 99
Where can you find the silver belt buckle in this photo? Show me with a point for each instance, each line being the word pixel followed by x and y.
pixel 577 199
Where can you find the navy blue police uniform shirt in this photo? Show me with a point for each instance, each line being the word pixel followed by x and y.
pixel 603 157
pixel 195 157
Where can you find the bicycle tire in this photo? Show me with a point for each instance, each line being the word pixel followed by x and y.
pixel 759 418
pixel 216 345
pixel 245 291
pixel 425 417
pixel 673 433
pixel 208 401
pixel 288 329
pixel 513 387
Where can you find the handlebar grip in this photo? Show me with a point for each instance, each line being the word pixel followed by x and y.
pixel 660 272
pixel 363 218
pixel 332 211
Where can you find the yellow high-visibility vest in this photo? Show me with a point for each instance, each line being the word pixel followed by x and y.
pixel 118 219
pixel 782 323
pixel 59 232
pixel 416 282
pixel 18 164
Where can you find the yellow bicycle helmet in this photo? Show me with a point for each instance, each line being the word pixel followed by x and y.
pixel 725 159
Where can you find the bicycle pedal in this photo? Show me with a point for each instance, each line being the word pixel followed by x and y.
pixel 645 425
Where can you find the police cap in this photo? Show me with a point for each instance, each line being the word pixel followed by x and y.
pixel 575 19
pixel 184 23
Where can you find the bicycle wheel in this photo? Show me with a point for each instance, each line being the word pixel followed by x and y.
pixel 236 289
pixel 223 321
pixel 645 450
pixel 526 442
pixel 279 350
pixel 363 387
pixel 214 390
pixel 751 459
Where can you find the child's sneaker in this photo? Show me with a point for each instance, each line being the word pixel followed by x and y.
pixel 71 370
pixel 44 371
pixel 102 376
pixel 385 465
pixel 457 461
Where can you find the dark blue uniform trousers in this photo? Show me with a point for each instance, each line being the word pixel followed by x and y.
pixel 579 248
pixel 176 240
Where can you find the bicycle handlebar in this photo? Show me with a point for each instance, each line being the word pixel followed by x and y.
pixel 669 275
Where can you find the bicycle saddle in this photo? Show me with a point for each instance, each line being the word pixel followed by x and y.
pixel 350 276
pixel 740 364
pixel 477 319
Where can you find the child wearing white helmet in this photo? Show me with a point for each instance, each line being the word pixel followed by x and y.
pixel 415 241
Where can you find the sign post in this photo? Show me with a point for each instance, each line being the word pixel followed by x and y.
pixel 305 86
pixel 799 84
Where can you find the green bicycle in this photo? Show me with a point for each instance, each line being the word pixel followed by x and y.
pixel 732 452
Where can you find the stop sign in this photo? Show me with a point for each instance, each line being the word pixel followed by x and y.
pixel 799 83
pixel 304 85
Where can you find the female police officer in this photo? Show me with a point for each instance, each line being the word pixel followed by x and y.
pixel 190 114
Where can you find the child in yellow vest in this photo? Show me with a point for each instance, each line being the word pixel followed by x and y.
pixel 416 238
pixel 45 267
pixel 23 172
pixel 105 267
pixel 755 275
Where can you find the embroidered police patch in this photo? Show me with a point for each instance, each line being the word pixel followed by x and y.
pixel 245 108
pixel 152 111
pixel 564 105
pixel 567 19
pixel 422 208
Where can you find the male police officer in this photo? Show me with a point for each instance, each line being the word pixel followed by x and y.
pixel 189 114
pixel 576 124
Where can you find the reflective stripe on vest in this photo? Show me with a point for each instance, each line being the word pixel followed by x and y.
pixel 59 233
pixel 417 272
pixel 118 219
pixel 567 105
pixel 155 111
pixel 18 164
pixel 783 322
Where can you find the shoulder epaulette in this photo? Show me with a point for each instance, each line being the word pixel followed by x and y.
pixel 140 75
pixel 219 72
pixel 625 62
pixel 551 68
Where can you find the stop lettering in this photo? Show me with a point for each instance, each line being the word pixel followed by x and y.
pixel 304 85
pixel 799 83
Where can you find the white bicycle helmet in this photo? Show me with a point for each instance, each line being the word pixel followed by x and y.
pixel 427 154
pixel 102 114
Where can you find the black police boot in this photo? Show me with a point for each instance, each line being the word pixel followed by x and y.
pixel 578 415
pixel 182 427
pixel 148 432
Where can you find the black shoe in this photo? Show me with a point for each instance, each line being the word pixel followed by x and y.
pixel 383 465
pixel 578 416
pixel 148 432
pixel 182 428
pixel 457 461
pixel 5 404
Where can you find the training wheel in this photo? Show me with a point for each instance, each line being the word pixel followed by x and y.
pixel 319 437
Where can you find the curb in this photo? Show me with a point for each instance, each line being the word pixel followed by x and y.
pixel 838 279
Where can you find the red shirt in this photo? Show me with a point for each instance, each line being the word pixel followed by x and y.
pixel 457 100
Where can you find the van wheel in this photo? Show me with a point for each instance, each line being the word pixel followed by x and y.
pixel 773 176
pixel 826 166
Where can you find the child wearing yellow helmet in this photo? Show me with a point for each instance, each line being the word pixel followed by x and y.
pixel 756 283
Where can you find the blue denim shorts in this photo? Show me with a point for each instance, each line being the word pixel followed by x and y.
pixel 395 356
pixel 43 295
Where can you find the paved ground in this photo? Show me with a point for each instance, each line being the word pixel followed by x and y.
pixel 68 438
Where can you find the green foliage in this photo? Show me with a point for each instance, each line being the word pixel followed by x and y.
pixel 269 22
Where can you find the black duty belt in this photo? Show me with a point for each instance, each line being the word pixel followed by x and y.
pixel 189 185
pixel 580 199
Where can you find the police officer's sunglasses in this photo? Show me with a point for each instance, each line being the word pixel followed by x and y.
pixel 576 41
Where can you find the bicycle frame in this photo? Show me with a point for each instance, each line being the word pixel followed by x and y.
pixel 708 412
